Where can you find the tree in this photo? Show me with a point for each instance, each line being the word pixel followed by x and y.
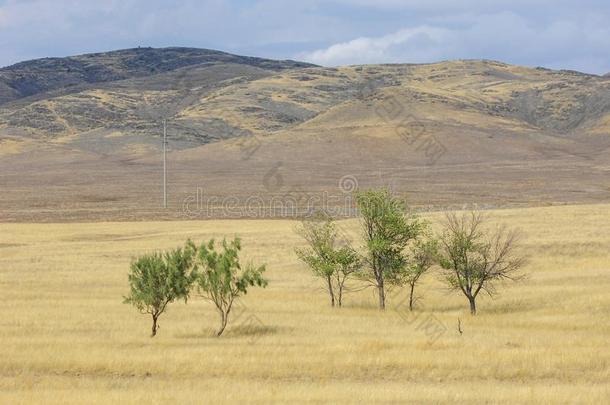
pixel 158 279
pixel 347 262
pixel 320 234
pixel 388 228
pixel 221 278
pixel 476 257
pixel 423 255
pixel 334 265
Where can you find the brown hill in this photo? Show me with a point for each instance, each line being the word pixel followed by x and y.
pixel 446 133
pixel 69 74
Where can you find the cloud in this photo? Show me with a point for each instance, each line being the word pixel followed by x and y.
pixel 555 33
pixel 506 36
pixel 388 48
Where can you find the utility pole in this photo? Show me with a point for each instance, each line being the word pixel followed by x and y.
pixel 164 163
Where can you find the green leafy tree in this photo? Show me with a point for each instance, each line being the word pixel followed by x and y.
pixel 423 254
pixel 476 257
pixel 347 263
pixel 159 279
pixel 221 279
pixel 332 264
pixel 320 234
pixel 388 229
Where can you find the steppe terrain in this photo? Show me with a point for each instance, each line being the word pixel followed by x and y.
pixel 67 338
pixel 80 138
pixel 255 144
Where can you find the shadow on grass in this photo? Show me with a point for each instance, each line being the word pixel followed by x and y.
pixel 366 305
pixel 251 330
pixel 244 330
pixel 511 307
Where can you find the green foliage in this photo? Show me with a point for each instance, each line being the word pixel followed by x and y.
pixel 333 264
pixel 388 229
pixel 221 278
pixel 347 260
pixel 158 279
pixel 320 234
pixel 422 255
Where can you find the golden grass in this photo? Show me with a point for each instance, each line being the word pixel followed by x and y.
pixel 66 337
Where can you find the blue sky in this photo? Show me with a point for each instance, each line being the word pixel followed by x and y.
pixel 552 33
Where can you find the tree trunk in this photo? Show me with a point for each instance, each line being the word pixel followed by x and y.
pixel 330 291
pixel 473 305
pixel 381 293
pixel 340 295
pixel 223 322
pixel 154 326
pixel 411 297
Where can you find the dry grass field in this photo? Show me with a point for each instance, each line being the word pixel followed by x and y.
pixel 66 336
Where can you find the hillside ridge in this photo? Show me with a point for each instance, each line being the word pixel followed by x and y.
pixel 445 134
pixel 36 76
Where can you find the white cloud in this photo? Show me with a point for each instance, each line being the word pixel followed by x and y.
pixel 558 33
pixel 382 49
pixel 581 44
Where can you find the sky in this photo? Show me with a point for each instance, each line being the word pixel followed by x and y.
pixel 556 34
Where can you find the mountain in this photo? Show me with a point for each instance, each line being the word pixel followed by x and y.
pixel 42 75
pixel 445 133
pixel 211 95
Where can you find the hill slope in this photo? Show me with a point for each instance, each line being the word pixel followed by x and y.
pixel 445 133
pixel 227 95
pixel 42 75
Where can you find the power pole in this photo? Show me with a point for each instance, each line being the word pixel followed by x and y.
pixel 164 163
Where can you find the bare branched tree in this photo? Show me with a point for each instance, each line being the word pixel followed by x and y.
pixel 476 257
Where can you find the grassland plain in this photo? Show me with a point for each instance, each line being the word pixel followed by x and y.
pixel 66 337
